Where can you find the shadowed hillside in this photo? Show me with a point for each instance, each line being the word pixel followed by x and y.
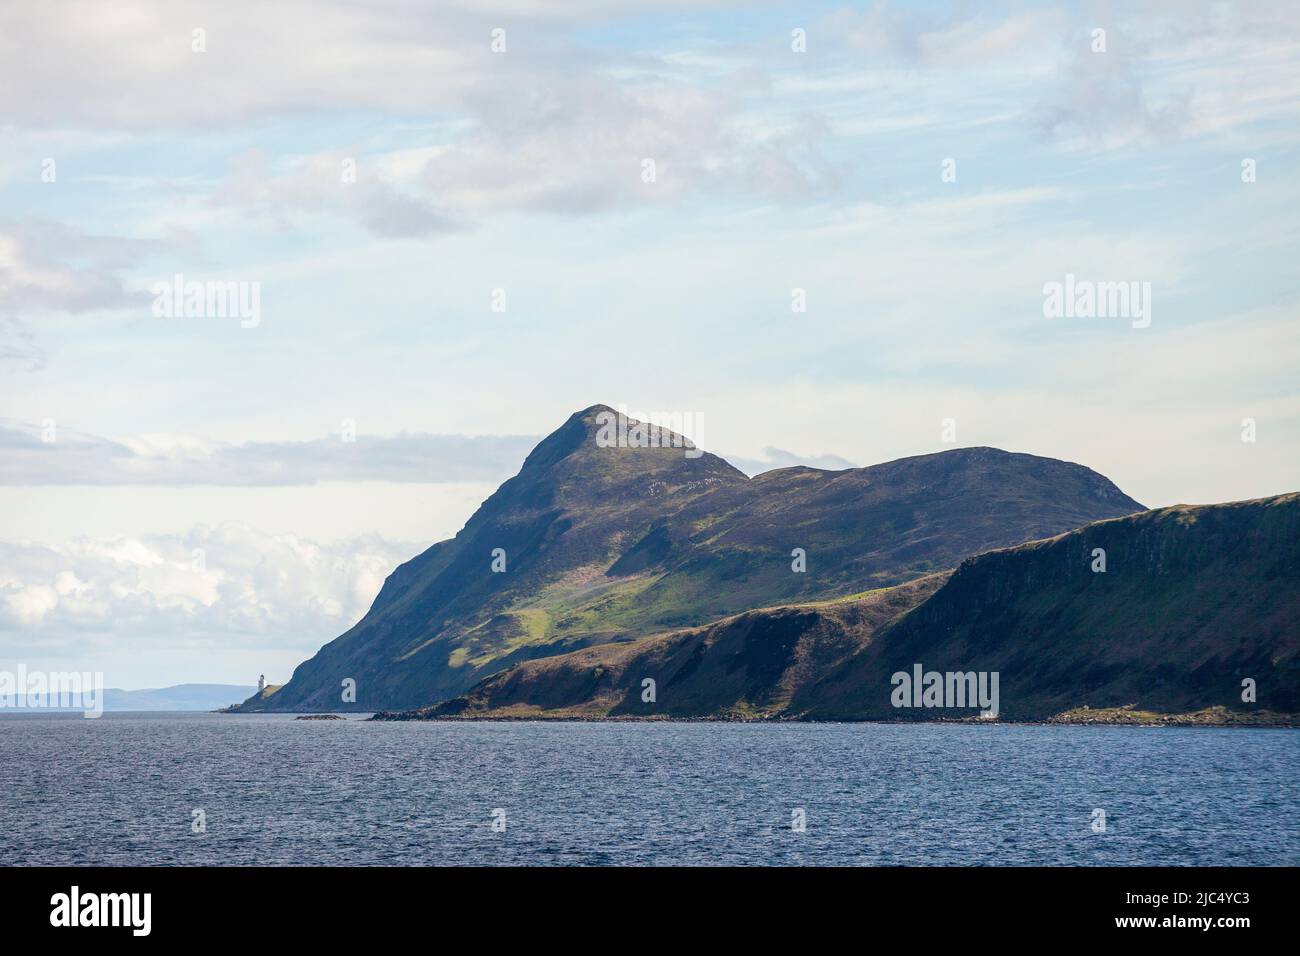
pixel 1193 601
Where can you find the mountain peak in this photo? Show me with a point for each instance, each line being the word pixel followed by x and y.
pixel 564 441
pixel 592 410
pixel 602 430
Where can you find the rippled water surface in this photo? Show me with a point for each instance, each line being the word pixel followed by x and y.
pixel 122 789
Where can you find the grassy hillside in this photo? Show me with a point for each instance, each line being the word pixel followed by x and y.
pixel 747 666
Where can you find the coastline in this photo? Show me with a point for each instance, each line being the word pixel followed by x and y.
pixel 1214 717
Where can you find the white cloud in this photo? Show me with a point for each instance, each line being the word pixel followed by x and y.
pixel 554 124
pixel 131 65
pixel 1171 71
pixel 316 185
pixel 76 458
pixel 48 267
pixel 211 587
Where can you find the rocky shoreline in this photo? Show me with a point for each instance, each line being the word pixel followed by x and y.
pixel 1210 717
pixel 1082 717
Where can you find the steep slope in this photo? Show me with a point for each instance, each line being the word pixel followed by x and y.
pixel 1193 600
pixel 607 544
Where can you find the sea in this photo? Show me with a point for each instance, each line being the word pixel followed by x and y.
pixel 222 789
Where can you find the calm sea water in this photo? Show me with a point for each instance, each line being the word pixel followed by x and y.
pixel 122 790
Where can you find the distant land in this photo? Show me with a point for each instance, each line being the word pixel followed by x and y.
pixel 179 697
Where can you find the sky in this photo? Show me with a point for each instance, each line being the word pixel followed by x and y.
pixel 824 231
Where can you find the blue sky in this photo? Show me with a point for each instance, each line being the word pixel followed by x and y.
pixel 522 171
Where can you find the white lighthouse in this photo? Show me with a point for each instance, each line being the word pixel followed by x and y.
pixel 261 683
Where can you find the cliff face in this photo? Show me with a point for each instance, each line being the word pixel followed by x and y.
pixel 595 544
pixel 1192 601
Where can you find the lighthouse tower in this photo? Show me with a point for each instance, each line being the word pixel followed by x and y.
pixel 261 683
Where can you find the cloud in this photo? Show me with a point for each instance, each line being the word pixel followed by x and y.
pixel 18 346
pixel 48 267
pixel 316 185
pixel 74 458
pixel 51 267
pixel 929 38
pixel 258 61
pixel 538 137
pixel 1103 98
pixel 65 61
pixel 558 123
pixel 230 585
pixel 554 140
pixel 1171 71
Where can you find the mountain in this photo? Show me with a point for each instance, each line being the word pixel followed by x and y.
pixel 178 697
pixel 1193 601
pixel 609 543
